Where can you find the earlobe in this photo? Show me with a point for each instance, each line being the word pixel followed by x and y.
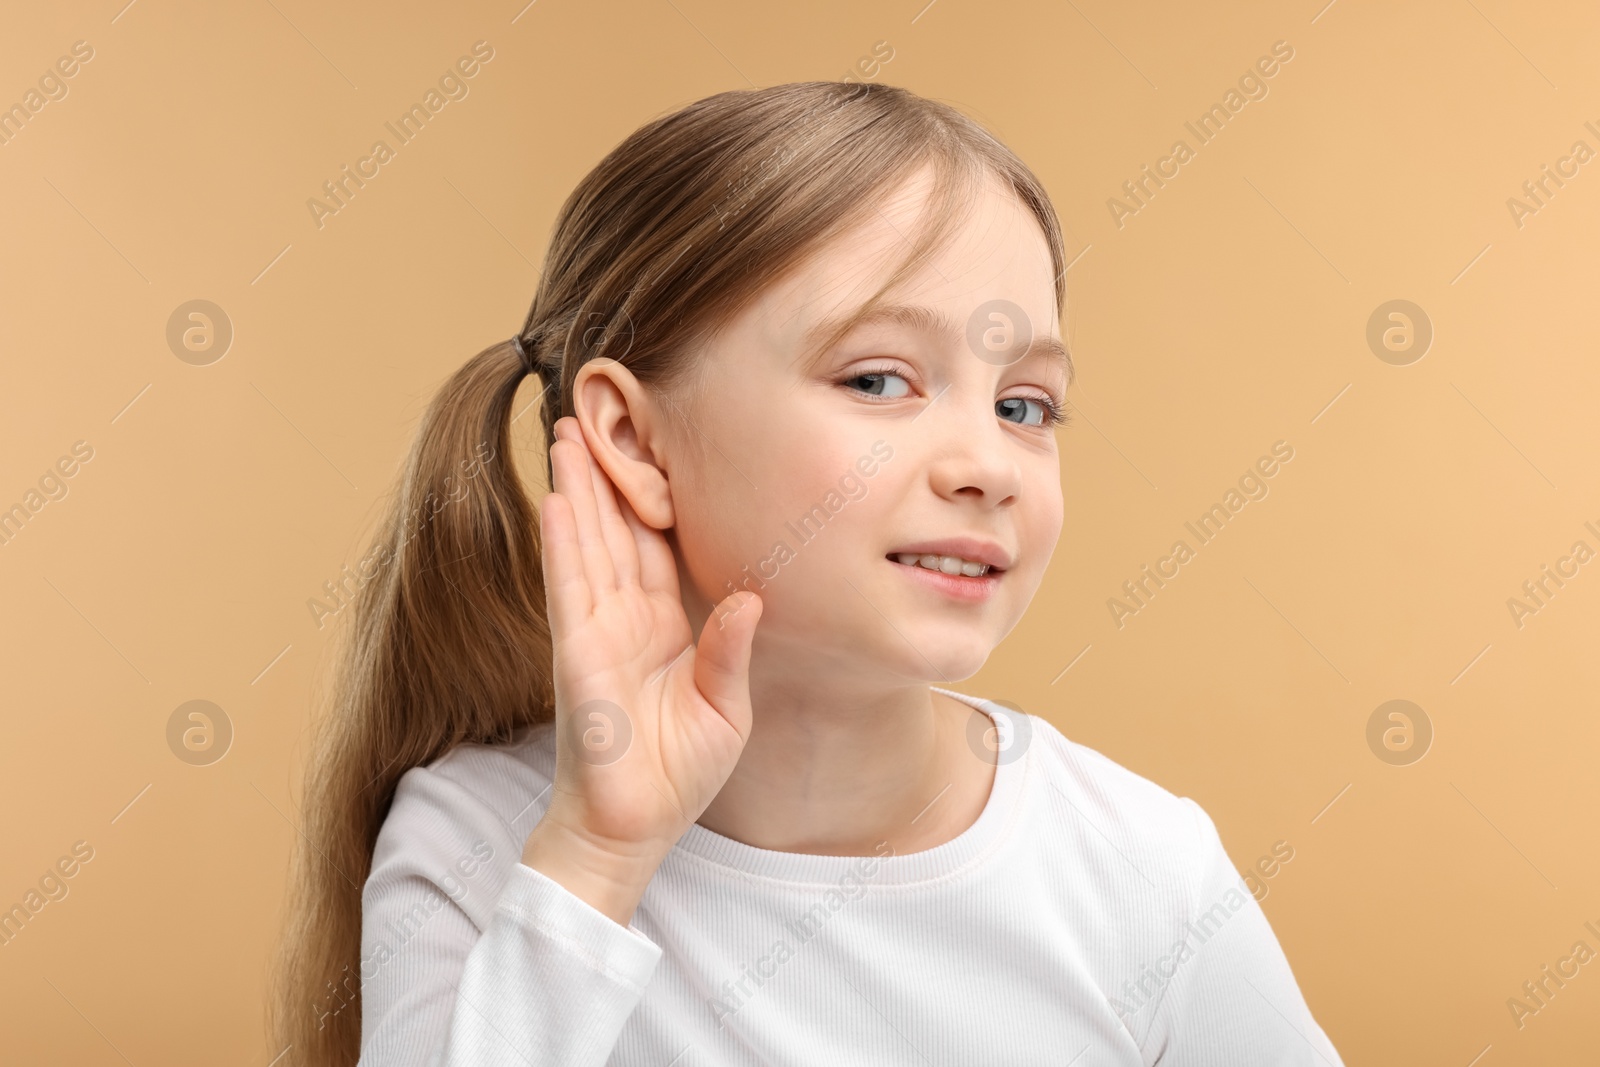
pixel 618 417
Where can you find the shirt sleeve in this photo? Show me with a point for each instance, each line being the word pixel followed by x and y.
pixel 1232 997
pixel 508 967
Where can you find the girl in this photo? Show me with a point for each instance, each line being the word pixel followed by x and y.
pixel 670 781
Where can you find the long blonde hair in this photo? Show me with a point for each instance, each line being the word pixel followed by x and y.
pixel 668 237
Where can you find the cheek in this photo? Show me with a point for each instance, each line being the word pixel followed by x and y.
pixel 717 531
pixel 813 524
pixel 768 512
pixel 1054 512
pixel 1045 519
pixel 813 501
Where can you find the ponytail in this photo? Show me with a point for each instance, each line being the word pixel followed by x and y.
pixel 450 643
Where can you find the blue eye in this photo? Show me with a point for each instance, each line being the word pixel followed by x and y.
pixel 877 383
pixel 1034 410
pixel 1049 413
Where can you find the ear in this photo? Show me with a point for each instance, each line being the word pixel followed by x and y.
pixel 621 426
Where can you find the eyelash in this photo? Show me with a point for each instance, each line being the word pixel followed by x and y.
pixel 1054 414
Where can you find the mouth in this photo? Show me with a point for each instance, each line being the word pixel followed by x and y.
pixel 966 557
pixel 964 569
pixel 950 566
pixel 961 585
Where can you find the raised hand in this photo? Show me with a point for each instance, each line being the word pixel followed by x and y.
pixel 649 725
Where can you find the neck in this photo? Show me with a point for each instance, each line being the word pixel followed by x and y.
pixel 835 766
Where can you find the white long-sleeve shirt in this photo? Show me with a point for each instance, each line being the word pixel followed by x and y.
pixel 1088 917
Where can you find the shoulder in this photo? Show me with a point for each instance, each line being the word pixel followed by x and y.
pixel 1166 838
pixel 1187 959
pixel 460 822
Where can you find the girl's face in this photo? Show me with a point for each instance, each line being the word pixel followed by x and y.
pixel 925 432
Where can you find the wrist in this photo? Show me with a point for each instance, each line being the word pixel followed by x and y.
pixel 610 876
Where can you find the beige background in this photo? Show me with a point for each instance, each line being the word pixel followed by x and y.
pixel 1228 314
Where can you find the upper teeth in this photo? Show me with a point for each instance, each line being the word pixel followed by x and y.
pixel 946 564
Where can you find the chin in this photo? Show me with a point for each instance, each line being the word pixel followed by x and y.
pixel 941 657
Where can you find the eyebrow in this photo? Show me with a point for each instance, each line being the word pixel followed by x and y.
pixel 929 321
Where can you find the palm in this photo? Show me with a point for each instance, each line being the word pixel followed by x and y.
pixel 649 727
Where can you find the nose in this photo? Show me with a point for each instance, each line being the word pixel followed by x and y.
pixel 974 460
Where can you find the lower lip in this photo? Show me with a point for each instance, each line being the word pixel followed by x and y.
pixel 955 586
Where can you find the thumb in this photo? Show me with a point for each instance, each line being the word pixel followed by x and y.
pixel 722 658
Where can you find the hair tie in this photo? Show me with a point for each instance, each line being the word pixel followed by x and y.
pixel 522 353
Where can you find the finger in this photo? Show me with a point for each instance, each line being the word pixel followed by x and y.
pixel 567 598
pixel 658 568
pixel 618 537
pixel 722 658
pixel 570 461
pixel 610 529
pixel 622 554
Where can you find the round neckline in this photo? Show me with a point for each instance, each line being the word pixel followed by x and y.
pixel 987 831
